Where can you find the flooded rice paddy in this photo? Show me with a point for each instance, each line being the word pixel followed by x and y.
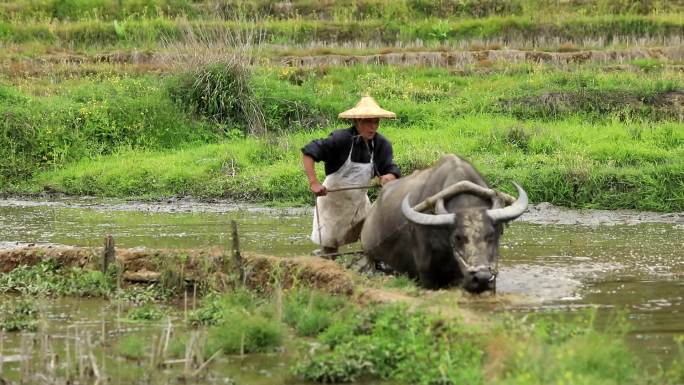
pixel 552 260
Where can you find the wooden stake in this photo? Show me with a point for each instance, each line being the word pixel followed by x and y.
pixel 188 355
pixel 279 301
pixel 108 254
pixel 2 347
pixel 237 258
pixel 204 365
pixel 67 370
pixel 166 339
pixel 185 304
pixel 103 344
pixel 93 361
pixel 24 359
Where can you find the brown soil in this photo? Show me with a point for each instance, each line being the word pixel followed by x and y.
pixel 30 255
pixel 456 59
pixel 65 63
pixel 262 272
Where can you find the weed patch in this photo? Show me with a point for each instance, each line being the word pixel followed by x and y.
pixel 147 312
pixel 222 93
pixel 401 346
pixel 19 315
pixel 626 106
pixel 310 312
pixel 244 332
pixel 47 278
pixel 132 348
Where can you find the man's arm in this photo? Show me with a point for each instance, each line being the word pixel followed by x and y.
pixel 316 187
pixel 386 168
pixel 321 150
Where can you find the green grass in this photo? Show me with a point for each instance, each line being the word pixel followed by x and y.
pixel 48 278
pixel 310 312
pixel 240 323
pixel 146 312
pixel 18 315
pixel 579 136
pixel 571 163
pixel 328 10
pixel 243 332
pixel 397 345
pixel 132 347
pixel 153 33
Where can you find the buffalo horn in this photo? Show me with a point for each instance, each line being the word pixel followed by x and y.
pixel 439 207
pixel 424 219
pixel 455 189
pixel 513 211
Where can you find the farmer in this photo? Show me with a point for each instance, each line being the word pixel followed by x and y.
pixel 352 157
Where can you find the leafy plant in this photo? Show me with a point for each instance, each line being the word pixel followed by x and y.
pixel 220 92
pixel 19 315
pixel 399 345
pixel 310 312
pixel 132 347
pixel 48 278
pixel 147 312
pixel 242 332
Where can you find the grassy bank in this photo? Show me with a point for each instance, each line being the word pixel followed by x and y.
pixel 152 33
pixel 580 137
pixel 603 165
pixel 334 339
pixel 340 10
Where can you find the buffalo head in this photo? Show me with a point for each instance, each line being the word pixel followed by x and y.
pixel 465 236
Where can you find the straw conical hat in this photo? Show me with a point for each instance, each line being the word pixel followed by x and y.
pixel 366 108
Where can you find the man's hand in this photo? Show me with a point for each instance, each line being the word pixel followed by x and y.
pixel 318 189
pixel 384 179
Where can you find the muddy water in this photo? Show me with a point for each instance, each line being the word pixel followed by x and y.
pixel 552 259
pixel 105 324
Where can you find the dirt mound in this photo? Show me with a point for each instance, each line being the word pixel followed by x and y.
pixel 460 59
pixel 30 254
pixel 262 272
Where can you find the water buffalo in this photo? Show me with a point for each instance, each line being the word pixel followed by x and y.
pixel 456 240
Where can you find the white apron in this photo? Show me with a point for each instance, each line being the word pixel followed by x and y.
pixel 341 211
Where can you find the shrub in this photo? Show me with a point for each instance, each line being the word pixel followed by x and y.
pixel 147 312
pixel 242 332
pixel 222 93
pixel 399 345
pixel 310 312
pixel 215 306
pixel 47 277
pixel 19 315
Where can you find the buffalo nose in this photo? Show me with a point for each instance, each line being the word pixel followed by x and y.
pixel 480 281
pixel 481 277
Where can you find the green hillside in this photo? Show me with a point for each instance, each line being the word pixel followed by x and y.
pixel 579 101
